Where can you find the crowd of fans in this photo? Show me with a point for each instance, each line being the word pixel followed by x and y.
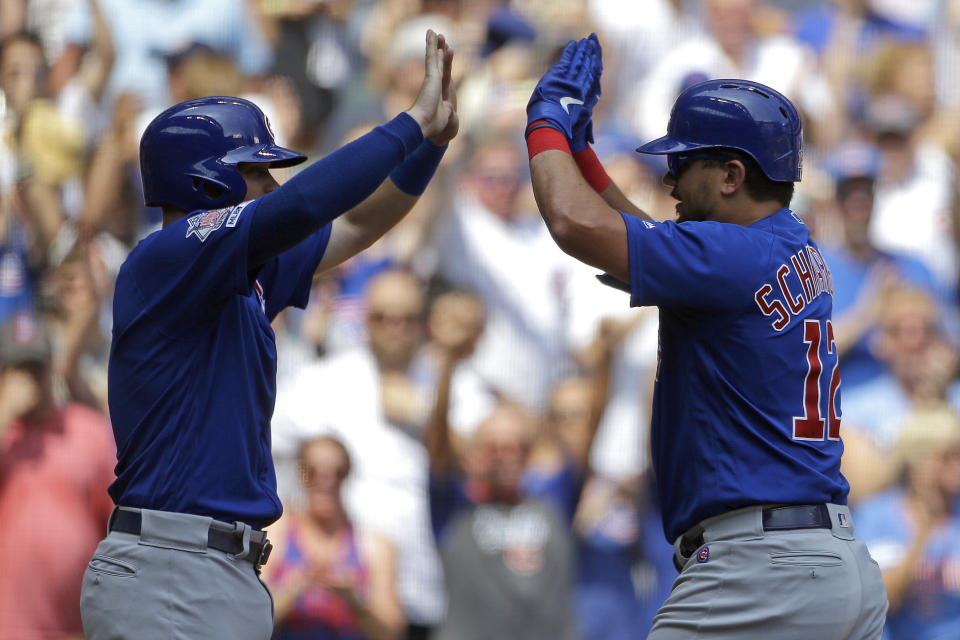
pixel 462 415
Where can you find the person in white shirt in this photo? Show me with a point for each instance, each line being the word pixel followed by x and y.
pixel 376 399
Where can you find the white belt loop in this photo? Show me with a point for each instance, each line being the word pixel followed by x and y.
pixel 840 521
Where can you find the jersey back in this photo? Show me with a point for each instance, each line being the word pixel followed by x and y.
pixel 746 403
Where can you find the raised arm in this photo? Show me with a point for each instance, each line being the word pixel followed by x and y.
pixel 576 198
pixel 456 322
pixel 360 227
pixel 579 219
pixel 344 179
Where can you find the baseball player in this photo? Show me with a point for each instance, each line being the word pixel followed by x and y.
pixel 192 370
pixel 746 411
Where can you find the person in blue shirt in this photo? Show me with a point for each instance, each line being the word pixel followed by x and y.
pixel 912 528
pixel 745 435
pixel 192 372
pixel 862 272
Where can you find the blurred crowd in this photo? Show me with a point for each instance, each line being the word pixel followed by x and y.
pixel 462 416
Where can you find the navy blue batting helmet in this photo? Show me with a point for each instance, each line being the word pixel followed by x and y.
pixel 189 153
pixel 736 114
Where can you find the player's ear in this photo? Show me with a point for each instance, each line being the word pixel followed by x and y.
pixel 734 174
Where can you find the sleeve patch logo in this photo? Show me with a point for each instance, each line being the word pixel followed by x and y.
pixel 203 224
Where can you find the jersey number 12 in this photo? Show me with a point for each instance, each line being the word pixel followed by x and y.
pixel 812 426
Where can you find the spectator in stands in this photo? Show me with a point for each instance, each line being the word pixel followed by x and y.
pixel 503 70
pixel 330 579
pixel 492 245
pixel 922 367
pixel 918 177
pixel 625 566
pixel 502 518
pixel 508 555
pixel 862 272
pixel 317 50
pixel 80 362
pixel 732 47
pixel 912 529
pixel 144 32
pixel 56 462
pixel 921 364
pixel 50 135
pixel 45 147
pixel 376 399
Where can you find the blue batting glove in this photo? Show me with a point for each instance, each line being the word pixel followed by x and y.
pixel 583 127
pixel 562 93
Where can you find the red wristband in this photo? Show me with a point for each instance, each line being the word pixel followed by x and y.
pixel 543 138
pixel 592 170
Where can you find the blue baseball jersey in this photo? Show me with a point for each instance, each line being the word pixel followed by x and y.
pixel 746 406
pixel 192 371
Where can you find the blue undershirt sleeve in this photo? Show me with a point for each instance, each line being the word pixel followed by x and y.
pixel 329 187
pixel 413 176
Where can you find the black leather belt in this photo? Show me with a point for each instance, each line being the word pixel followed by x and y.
pixel 780 518
pixel 221 536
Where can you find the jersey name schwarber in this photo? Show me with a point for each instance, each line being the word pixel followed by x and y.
pixel 807 266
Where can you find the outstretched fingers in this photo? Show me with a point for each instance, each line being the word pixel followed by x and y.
pixel 430 54
pixel 446 84
pixel 566 56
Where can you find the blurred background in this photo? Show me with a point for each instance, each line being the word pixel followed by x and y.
pixel 469 295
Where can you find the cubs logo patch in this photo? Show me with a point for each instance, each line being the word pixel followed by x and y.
pixel 703 554
pixel 203 224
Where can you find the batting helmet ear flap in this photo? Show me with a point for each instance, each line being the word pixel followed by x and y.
pixel 214 188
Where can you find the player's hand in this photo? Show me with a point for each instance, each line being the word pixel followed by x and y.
pixel 583 127
pixel 448 97
pixel 434 109
pixel 564 91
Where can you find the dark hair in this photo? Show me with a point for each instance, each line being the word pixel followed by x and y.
pixel 758 185
pixel 325 439
pixel 29 37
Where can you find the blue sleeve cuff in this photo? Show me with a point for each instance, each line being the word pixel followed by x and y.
pixel 415 173
pixel 406 130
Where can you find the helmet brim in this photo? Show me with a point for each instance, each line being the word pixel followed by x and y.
pixel 667 144
pixel 275 155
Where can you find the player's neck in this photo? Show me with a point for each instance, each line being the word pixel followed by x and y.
pixel 172 214
pixel 745 211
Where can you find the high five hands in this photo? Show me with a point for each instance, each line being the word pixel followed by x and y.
pixel 435 108
pixel 566 94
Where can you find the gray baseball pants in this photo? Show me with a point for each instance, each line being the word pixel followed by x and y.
pixel 166 583
pixel 744 582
